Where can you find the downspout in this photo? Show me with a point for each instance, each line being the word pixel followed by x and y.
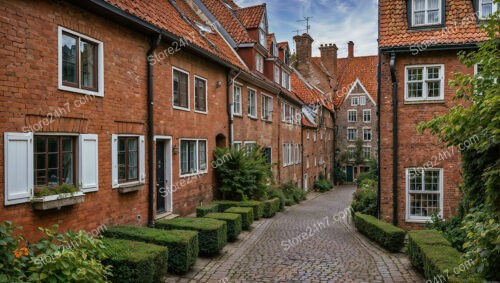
pixel 379 70
pixel 280 162
pixel 394 139
pixel 230 109
pixel 332 114
pixel 302 150
pixel 150 133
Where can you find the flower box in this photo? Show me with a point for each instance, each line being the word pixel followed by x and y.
pixel 57 201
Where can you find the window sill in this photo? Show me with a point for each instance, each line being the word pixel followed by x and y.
pixel 131 187
pixel 181 108
pixel 81 91
pixel 237 115
pixel 418 220
pixel 411 102
pixel 201 112
pixel 253 117
pixel 427 27
pixel 193 174
pixel 57 201
pixel 129 184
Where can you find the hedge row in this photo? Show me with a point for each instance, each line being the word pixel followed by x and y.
pixel 206 209
pixel 271 207
pixel 246 215
pixel 135 261
pixel 257 206
pixel 182 244
pixel 233 222
pixel 388 236
pixel 433 255
pixel 212 233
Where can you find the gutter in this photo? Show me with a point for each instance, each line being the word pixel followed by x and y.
pixel 405 49
pixel 150 132
pixel 394 139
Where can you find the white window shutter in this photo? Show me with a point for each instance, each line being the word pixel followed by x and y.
pixel 88 163
pixel 18 167
pixel 114 161
pixel 142 159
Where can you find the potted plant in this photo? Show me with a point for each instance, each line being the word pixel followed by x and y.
pixel 56 197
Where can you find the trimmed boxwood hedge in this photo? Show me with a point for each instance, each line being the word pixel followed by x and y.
pixel 225 204
pixel 135 261
pixel 271 207
pixel 212 233
pixel 182 244
pixel 246 215
pixel 258 207
pixel 233 221
pixel 206 209
pixel 388 236
pixel 433 255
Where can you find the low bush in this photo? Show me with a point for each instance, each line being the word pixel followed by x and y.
pixel 233 221
pixel 206 209
pixel 292 192
pixel 388 236
pixel 323 185
pixel 212 233
pixel 182 244
pixel 451 230
pixel 277 193
pixel 433 255
pixel 224 204
pixel 290 202
pixel 271 207
pixel 135 261
pixel 246 216
pixel 365 201
pixel 257 206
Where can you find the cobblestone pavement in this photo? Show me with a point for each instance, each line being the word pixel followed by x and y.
pixel 332 252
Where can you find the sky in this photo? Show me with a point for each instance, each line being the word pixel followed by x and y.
pixel 333 21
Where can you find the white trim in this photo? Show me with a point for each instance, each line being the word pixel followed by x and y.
pixel 239 114
pixel 352 128
pixel 367 110
pixel 440 12
pixel 256 103
pixel 27 170
pixel 141 153
pixel 188 109
pixel 168 152
pixel 355 116
pixel 371 133
pixel 270 110
pixel 356 82
pixel 206 94
pixel 422 219
pixel 200 172
pixel 424 84
pixel 82 158
pixel 162 138
pixel 494 8
pixel 100 64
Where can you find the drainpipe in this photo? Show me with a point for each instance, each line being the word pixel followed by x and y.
pixel 150 132
pixel 394 139
pixel 302 150
pixel 230 109
pixel 280 162
pixel 379 70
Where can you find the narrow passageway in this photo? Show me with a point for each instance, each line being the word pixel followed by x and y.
pixel 311 242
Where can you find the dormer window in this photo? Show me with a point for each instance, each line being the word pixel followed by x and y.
pixel 426 12
pixel 262 37
pixel 486 8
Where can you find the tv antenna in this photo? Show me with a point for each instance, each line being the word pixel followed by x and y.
pixel 297 31
pixel 306 19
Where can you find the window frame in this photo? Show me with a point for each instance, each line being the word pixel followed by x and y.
pixel 253 116
pixel 369 152
pixel 277 78
pixel 128 180
pixel 355 115
pixel 98 68
pixel 424 80
pixel 354 98
pixel 362 98
pixel 370 115
pixel 494 8
pixel 240 113
pixel 411 13
pixel 263 102
pixel 196 77
pixel 285 79
pixel 422 219
pixel 355 131
pixel 188 108
pixel 259 59
pixel 197 161
pixel 351 148
pixel 75 151
pixel 371 134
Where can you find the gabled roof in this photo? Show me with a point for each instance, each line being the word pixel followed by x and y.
pixel 349 70
pixel 251 17
pixel 308 93
pixel 283 45
pixel 460 21
pixel 155 11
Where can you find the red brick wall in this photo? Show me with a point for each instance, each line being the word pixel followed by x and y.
pixel 416 149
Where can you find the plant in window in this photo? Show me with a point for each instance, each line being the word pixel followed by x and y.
pixel 62 189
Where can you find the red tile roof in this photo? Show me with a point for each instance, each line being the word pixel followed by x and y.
pixel 349 70
pixel 460 21
pixel 155 11
pixel 251 16
pixel 306 92
pixel 307 123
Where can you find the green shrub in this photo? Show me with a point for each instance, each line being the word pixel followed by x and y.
pixel 271 207
pixel 246 215
pixel 433 255
pixel 182 244
pixel 277 193
pixel 212 233
pixel 451 230
pixel 13 260
pixel 323 185
pixel 388 236
pixel 206 209
pixel 365 201
pixel 290 202
pixel 339 175
pixel 225 204
pixel 291 191
pixel 233 221
pixel 135 261
pixel 257 206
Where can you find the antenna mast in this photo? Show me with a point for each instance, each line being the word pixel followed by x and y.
pixel 306 19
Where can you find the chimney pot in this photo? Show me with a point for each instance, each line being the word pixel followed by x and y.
pixel 350 48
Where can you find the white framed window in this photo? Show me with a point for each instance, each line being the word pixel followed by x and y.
pixel 367 134
pixel 277 74
pixel 350 152
pixel 354 101
pixel 200 95
pixel 424 83
pixel 180 89
pixel 298 154
pixel 193 157
pixel 424 194
pixel 307 163
pixel 352 134
pixel 128 160
pixel 426 12
pixel 237 100
pixel 307 135
pixel 259 63
pixel 252 103
pixel 367 152
pixel 367 115
pixel 315 136
pixel 262 38
pixel 267 108
pixel 352 116
pixel 362 100
pixel 288 154
pixel 285 80
pixel 315 161
pixel 80 63
pixel 237 145
pixel 486 8
pixel 249 146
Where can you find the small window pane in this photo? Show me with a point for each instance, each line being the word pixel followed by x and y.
pixel 419 18
pixel 434 89
pixel 433 4
pixel 415 90
pixel 89 63
pixel 419 5
pixel 200 95
pixel 433 17
pixel 180 82
pixel 415 74
pixel 69 59
pixel 202 153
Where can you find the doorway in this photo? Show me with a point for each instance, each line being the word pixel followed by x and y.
pixel 349 173
pixel 163 176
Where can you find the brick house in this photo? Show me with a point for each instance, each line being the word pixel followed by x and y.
pixel 418 45
pixel 356 112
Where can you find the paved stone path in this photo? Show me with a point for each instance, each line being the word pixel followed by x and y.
pixel 277 250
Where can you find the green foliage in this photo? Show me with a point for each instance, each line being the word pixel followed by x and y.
pixel 388 236
pixel 451 230
pixel 212 233
pixel 206 209
pixel 246 216
pixel 182 244
pixel 135 261
pixel 483 241
pixel 292 193
pixel 365 198
pixel 233 221
pixel 277 193
pixel 13 261
pixel 243 176
pixel 257 206
pixel 338 174
pixel 62 189
pixel 224 204
pixel 323 185
pixel 290 202
pixel 371 174
pixel 271 207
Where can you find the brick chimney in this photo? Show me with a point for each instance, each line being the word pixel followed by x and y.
pixel 303 44
pixel 350 49
pixel 329 57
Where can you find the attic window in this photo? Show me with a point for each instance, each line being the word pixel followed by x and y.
pixel 204 28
